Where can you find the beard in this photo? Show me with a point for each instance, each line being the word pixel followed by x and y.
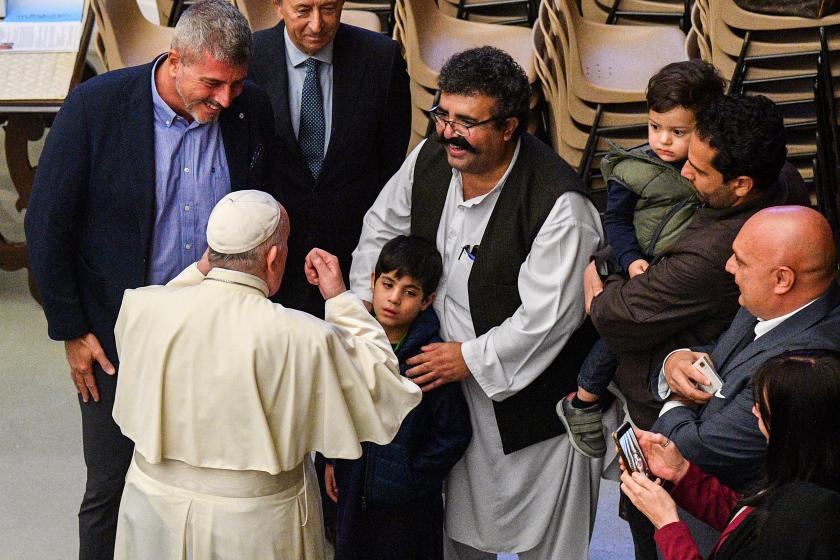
pixel 457 142
pixel 189 106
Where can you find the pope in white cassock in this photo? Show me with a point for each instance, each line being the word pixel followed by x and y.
pixel 225 394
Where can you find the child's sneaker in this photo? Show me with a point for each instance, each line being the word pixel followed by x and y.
pixel 584 426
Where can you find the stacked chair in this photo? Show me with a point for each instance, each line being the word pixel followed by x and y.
pixel 125 37
pixel 505 12
pixel 794 61
pixel 638 12
pixel 262 15
pixel 594 77
pixel 429 38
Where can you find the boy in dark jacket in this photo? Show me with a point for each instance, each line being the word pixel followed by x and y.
pixel 389 500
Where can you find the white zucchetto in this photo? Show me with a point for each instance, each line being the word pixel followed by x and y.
pixel 241 221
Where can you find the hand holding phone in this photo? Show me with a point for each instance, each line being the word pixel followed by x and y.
pixel 630 451
pixel 715 382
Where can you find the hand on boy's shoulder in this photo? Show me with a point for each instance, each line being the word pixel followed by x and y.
pixel 439 363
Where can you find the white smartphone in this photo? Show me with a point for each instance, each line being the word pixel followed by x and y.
pixel 703 366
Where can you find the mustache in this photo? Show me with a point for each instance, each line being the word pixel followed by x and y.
pixel 457 142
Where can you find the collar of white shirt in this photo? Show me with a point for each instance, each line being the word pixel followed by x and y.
pixel 765 326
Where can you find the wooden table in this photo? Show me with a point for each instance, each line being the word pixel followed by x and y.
pixel 33 87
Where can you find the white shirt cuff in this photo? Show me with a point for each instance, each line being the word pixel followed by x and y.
pixel 471 352
pixel 662 386
pixel 670 405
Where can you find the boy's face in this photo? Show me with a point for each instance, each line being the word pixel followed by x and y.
pixel 397 301
pixel 669 133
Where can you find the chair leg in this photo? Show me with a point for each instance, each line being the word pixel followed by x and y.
pixel 462 12
pixel 740 67
pixel 827 113
pixel 613 15
pixel 584 170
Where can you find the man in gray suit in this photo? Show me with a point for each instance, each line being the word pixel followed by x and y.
pixel 784 264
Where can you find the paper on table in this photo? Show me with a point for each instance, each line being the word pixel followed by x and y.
pixel 43 11
pixel 40 37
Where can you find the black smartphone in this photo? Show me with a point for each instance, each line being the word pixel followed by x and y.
pixel 630 450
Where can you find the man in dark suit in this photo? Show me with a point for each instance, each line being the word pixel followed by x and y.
pixel 784 263
pixel 131 168
pixel 342 117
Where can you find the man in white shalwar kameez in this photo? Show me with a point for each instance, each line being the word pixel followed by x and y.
pixel 516 231
pixel 225 394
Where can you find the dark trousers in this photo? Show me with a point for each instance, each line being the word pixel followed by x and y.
pixel 107 456
pixel 598 369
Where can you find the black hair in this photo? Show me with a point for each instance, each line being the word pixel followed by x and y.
pixel 748 134
pixel 492 72
pixel 798 394
pixel 411 255
pixel 691 84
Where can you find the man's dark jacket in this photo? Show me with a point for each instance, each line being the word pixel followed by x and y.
pixel 685 299
pixel 92 209
pixel 371 123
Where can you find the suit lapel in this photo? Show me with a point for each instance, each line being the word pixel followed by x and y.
pixel 276 83
pixel 138 145
pixel 234 123
pixel 789 328
pixel 348 73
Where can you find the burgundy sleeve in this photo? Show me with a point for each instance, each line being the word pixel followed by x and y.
pixel 676 543
pixel 705 497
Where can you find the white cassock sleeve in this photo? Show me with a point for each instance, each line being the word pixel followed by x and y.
pixel 507 358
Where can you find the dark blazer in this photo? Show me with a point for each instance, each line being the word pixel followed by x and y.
pixel 371 122
pixel 91 213
pixel 722 437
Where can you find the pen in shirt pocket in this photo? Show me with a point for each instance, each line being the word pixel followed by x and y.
pixel 470 250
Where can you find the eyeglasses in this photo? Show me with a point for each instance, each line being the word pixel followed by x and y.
pixel 458 128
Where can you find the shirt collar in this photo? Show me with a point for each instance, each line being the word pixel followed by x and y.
pixel 763 327
pixel 237 280
pixel 164 115
pixel 478 199
pixel 298 57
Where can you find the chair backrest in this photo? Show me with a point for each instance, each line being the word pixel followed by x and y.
pixel 259 13
pixel 127 37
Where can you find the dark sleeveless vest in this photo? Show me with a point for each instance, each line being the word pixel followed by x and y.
pixel 537 179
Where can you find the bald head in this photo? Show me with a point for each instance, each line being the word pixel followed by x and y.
pixel 783 257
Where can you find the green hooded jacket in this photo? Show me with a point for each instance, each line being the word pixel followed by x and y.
pixel 667 200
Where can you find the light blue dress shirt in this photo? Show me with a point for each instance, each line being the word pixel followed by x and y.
pixel 191 176
pixel 296 72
